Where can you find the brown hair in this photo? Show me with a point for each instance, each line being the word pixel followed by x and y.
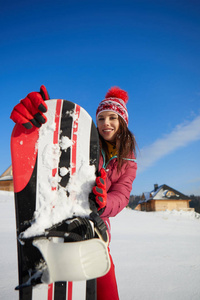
pixel 125 144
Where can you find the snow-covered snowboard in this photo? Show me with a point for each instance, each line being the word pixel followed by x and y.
pixel 59 239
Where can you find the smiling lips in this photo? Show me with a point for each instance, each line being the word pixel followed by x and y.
pixel 107 130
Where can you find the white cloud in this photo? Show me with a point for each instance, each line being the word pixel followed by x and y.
pixel 181 136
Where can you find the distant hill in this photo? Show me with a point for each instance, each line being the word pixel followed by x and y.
pixel 195 202
pixel 133 201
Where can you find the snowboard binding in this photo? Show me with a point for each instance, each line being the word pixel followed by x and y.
pixel 73 250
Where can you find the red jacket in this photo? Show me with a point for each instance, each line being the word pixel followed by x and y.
pixel 118 186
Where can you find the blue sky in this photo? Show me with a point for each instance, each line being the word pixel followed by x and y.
pixel 79 49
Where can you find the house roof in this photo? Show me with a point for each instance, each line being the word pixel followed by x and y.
pixel 7 175
pixel 163 192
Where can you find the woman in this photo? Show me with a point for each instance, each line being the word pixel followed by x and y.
pixel 118 170
pixel 117 164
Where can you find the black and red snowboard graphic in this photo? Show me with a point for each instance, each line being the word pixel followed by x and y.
pixel 54 170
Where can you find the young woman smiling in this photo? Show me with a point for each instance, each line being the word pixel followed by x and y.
pixel 117 168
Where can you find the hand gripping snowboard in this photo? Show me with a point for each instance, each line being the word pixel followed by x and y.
pixel 59 239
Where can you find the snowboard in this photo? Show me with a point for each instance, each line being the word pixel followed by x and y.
pixel 62 244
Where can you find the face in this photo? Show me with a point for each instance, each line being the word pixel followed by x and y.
pixel 108 125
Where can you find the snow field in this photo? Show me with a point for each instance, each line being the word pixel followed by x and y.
pixel 157 255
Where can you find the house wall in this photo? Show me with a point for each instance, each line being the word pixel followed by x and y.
pixel 6 185
pixel 171 204
pixel 143 206
pixel 138 207
pixel 160 205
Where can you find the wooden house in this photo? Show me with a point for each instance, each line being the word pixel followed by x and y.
pixel 6 180
pixel 164 198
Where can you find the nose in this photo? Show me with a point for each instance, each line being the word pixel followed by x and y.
pixel 106 121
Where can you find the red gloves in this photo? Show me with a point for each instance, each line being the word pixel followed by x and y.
pixel 30 110
pixel 100 190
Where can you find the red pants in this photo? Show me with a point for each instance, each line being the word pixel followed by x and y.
pixel 107 285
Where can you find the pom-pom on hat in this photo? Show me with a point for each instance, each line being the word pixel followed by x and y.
pixel 115 101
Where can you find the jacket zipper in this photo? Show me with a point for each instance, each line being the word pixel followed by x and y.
pixel 115 156
pixel 104 159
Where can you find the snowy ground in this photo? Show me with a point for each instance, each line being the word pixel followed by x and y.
pixel 157 255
